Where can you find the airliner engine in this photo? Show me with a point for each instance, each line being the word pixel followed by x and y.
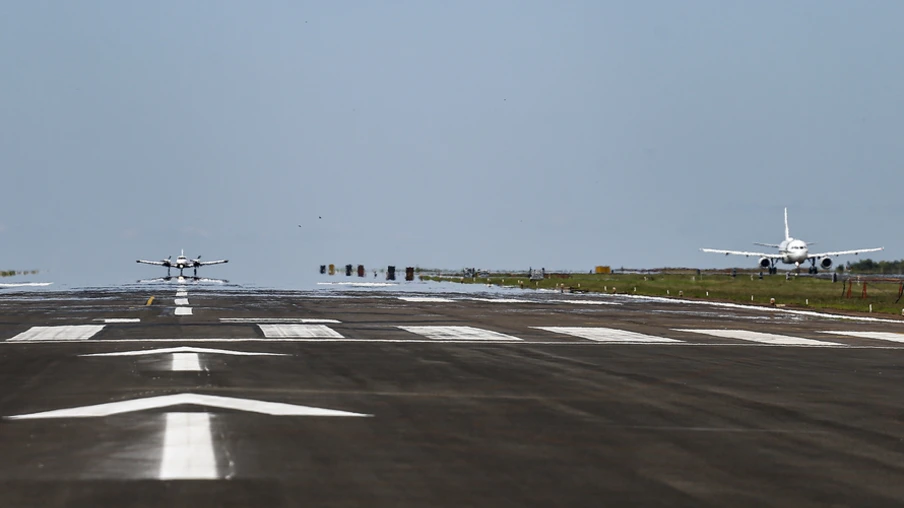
pixel 825 263
pixel 764 263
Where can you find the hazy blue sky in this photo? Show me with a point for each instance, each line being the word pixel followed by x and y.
pixel 467 133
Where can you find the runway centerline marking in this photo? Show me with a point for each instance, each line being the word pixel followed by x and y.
pixel 186 362
pixel 444 333
pixel 764 338
pixel 606 335
pixel 181 301
pixel 188 448
pixel 58 333
pixel 889 336
pixel 120 320
pixel 299 331
pixel 181 293
pixel 183 311
pixel 255 320
pixel 425 299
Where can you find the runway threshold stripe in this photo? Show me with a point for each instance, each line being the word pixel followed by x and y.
pixel 299 331
pixel 188 448
pixel 58 333
pixel 183 311
pixel 889 336
pixel 762 338
pixel 255 320
pixel 608 335
pixel 441 333
pixel 186 362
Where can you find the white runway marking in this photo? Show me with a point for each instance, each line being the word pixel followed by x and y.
pixel 502 300
pixel 299 331
pixel 425 299
pixel 181 301
pixel 183 311
pixel 610 335
pixel 181 293
pixel 763 338
pixel 132 405
pixel 585 302
pixel 278 320
pixel 185 349
pixel 121 320
pixel 889 336
pixel 458 333
pixel 188 448
pixel 186 362
pixel 58 333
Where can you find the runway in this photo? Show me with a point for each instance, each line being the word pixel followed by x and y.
pixel 208 397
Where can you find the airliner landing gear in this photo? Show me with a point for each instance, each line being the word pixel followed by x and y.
pixel 813 270
pixel 772 269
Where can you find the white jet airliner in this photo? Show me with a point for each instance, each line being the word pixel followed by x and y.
pixel 792 252
pixel 182 262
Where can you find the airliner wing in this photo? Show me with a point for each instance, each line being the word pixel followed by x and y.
pixel 744 253
pixel 773 245
pixel 844 252
pixel 217 262
pixel 158 263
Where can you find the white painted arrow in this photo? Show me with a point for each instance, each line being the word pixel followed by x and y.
pixel 185 349
pixel 128 406
pixel 188 447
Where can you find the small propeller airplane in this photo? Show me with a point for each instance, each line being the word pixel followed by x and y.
pixel 181 263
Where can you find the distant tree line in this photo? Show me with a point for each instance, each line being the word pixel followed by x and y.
pixel 870 266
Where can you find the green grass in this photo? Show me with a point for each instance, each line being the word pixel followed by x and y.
pixel 799 292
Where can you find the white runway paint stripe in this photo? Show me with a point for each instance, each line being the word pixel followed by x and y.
pixel 762 338
pixel 185 349
pixel 186 362
pixel 181 293
pixel 188 448
pixel 608 335
pixel 279 320
pixel 183 311
pixel 425 299
pixel 121 320
pixel 181 301
pixel 132 405
pixel 299 331
pixel 458 333
pixel 427 341
pixel 584 302
pixel 889 336
pixel 58 333
pixel 503 300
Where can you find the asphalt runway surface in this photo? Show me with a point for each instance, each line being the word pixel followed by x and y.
pixel 208 397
